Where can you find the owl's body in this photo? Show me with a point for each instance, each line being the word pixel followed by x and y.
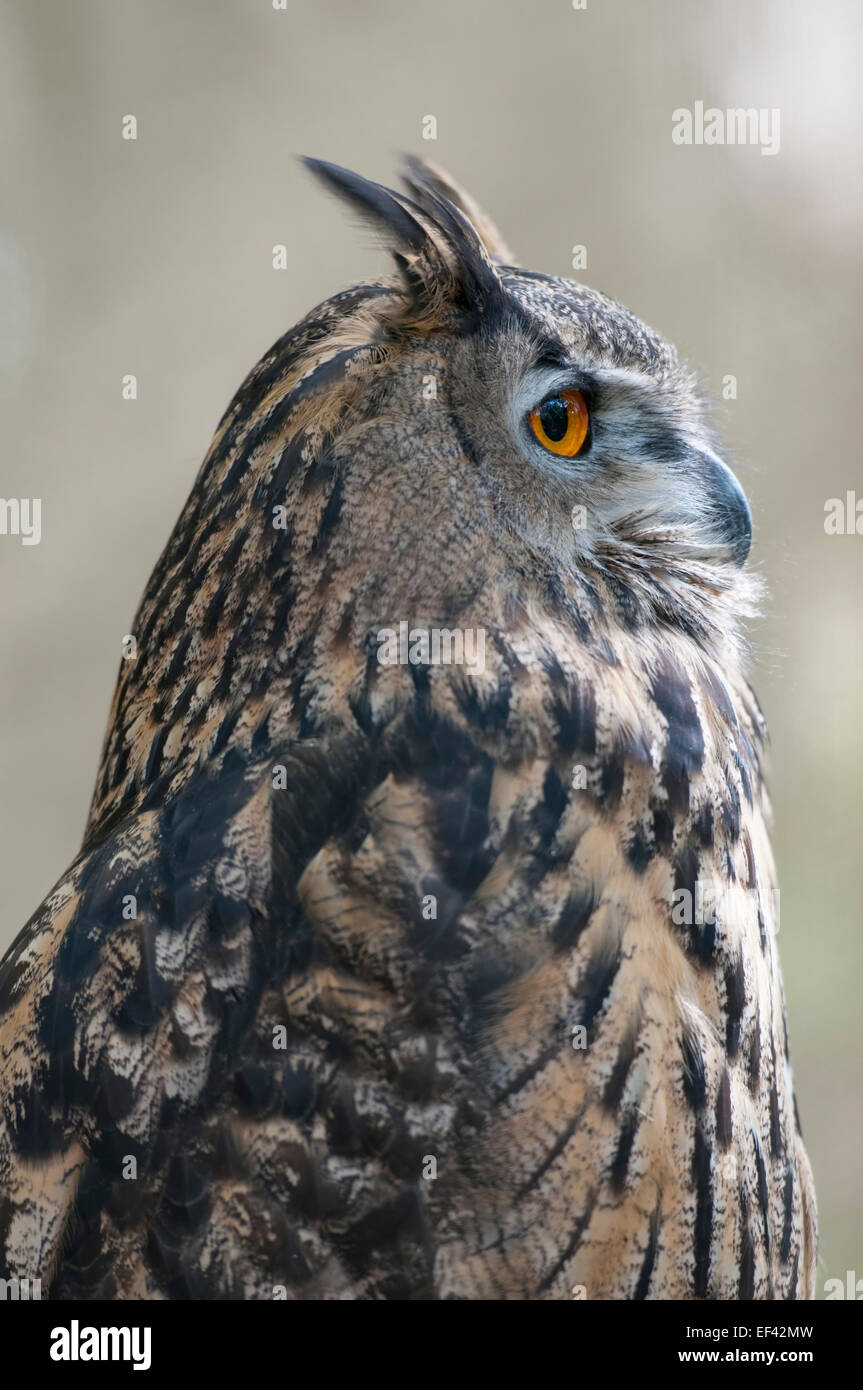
pixel 421 993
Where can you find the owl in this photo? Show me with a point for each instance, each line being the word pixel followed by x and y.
pixel 422 944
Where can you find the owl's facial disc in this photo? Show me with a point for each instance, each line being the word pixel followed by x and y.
pixel 630 452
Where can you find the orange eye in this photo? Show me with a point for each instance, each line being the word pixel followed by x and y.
pixel 561 422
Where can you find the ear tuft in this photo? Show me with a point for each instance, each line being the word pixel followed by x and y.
pixel 376 203
pixel 422 179
pixel 440 255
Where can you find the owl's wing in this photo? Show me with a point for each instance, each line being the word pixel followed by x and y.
pixel 309 1031
pixel 125 1009
pixel 242 1043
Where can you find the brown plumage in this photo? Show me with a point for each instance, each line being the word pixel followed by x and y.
pixel 378 980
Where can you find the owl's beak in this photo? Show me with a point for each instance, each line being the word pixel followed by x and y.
pixel 730 509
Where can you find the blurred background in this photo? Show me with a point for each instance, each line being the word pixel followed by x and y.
pixel 154 257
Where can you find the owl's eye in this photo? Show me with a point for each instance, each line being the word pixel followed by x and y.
pixel 561 422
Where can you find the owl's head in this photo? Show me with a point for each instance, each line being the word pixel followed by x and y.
pixel 487 421
pixel 465 446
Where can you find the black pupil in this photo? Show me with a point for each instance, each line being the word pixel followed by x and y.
pixel 554 418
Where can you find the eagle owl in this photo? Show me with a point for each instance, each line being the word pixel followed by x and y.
pixel 422 943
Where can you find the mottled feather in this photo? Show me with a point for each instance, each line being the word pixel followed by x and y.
pixel 284 1073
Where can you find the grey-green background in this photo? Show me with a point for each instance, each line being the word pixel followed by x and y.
pixel 154 258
